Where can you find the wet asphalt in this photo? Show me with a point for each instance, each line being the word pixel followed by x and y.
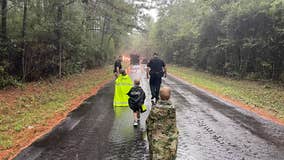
pixel 210 129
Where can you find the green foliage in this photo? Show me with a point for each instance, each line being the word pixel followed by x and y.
pixel 259 94
pixel 239 38
pixel 66 35
pixel 5 142
pixel 6 79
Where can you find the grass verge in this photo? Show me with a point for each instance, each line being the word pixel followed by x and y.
pixel 259 96
pixel 30 111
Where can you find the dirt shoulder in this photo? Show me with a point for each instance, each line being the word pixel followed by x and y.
pixel 29 112
pixel 264 99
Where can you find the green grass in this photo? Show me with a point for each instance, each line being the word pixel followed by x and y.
pixel 5 141
pixel 265 95
pixel 36 108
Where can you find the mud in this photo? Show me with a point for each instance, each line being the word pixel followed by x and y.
pixel 209 129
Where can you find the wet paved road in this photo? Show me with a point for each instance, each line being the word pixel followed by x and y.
pixel 210 129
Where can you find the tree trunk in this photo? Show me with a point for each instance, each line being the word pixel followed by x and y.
pixel 103 34
pixel 24 40
pixel 277 66
pixel 59 32
pixel 59 36
pixel 109 39
pixel 4 20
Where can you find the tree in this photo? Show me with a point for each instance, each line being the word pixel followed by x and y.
pixel 238 38
pixel 43 38
pixel 4 11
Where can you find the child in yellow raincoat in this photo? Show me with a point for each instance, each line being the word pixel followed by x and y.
pixel 123 84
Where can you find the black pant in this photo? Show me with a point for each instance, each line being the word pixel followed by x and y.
pixel 155 85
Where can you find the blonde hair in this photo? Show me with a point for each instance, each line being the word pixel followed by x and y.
pixel 165 93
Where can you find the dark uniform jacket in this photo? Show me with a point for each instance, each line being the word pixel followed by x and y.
pixel 117 63
pixel 136 97
pixel 156 65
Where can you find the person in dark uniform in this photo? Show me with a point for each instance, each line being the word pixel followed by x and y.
pixel 156 68
pixel 117 66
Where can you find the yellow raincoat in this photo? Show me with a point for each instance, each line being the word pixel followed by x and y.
pixel 123 85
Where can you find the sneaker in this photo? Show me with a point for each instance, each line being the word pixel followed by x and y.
pixel 152 101
pixel 135 123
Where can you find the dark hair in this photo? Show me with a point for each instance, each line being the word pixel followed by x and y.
pixel 137 82
pixel 155 54
pixel 123 72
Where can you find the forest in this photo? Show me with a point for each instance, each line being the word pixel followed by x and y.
pixel 236 38
pixel 43 38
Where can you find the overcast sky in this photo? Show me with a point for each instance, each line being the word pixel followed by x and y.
pixel 153 13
